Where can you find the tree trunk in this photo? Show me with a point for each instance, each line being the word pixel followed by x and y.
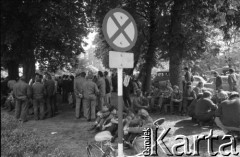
pixel 151 50
pixel 176 45
pixel 13 71
pixel 29 67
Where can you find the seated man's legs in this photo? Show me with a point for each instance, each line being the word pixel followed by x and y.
pixel 174 104
pixel 208 117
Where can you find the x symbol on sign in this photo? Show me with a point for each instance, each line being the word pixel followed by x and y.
pixel 121 30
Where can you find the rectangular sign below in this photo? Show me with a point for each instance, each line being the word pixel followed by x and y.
pixel 120 59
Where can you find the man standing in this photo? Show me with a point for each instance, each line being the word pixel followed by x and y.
pixel 228 114
pixel 79 81
pixel 187 77
pixel 126 90
pixel 102 89
pixel 232 80
pixel 90 91
pixel 21 93
pixel 109 87
pixel 38 91
pixel 50 89
pixel 218 80
pixel 205 109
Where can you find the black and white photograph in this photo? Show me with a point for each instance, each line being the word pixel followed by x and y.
pixel 120 78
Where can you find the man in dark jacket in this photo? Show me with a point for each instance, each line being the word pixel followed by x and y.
pixel 205 109
pixel 50 88
pixel 218 81
pixel 22 94
pixel 228 114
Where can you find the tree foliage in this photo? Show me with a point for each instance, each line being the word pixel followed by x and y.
pixel 50 32
pixel 171 29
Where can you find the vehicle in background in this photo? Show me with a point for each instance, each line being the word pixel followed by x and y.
pixel 161 78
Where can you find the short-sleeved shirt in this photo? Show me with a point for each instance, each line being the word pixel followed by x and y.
pixel 229 112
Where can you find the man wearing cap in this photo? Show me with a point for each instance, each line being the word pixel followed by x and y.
pixel 228 114
pixel 90 91
pixel 205 109
pixel 22 94
pixel 79 81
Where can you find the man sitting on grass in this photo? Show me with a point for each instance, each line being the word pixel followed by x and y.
pixel 176 99
pixel 139 102
pixel 101 117
pixel 228 114
pixel 135 127
pixel 191 108
pixel 205 109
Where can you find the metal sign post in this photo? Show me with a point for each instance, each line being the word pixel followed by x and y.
pixel 120 32
pixel 120 110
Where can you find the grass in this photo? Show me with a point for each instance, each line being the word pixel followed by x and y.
pixel 17 141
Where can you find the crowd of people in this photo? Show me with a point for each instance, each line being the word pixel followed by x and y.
pixel 90 95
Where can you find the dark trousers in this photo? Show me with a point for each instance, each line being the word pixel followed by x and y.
pixel 38 105
pixel 65 95
pixel 176 104
pixel 207 117
pixel 55 102
pixel 127 100
pixel 50 106
pixel 186 103
pixel 21 109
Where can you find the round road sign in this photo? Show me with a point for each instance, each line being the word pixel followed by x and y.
pixel 119 29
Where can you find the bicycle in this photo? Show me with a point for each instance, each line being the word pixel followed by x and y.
pixel 102 147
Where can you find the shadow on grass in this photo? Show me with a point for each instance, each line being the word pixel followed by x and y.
pixel 187 127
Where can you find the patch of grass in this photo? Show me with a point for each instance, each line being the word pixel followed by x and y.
pixel 20 142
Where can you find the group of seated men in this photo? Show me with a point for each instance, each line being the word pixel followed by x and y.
pixel 225 114
pixel 167 96
pixel 133 125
